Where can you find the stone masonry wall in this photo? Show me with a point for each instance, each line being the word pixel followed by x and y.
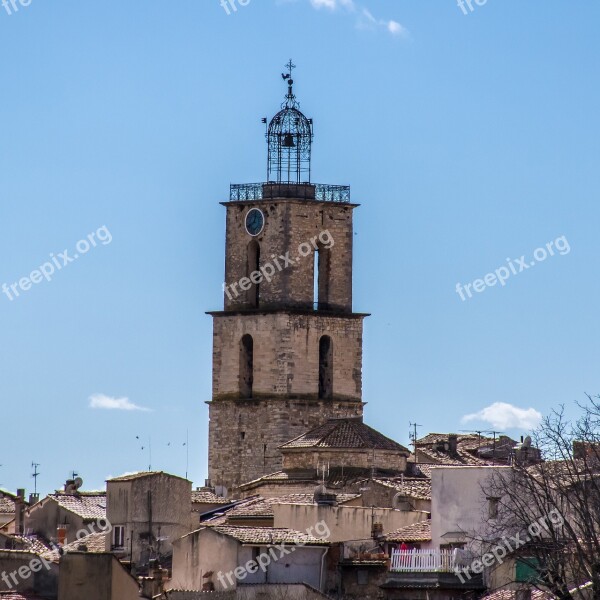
pixel 288 224
pixel 244 434
pixel 286 354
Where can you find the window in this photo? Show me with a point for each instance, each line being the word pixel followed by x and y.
pixel 527 570
pixel 325 367
pixel 493 507
pixel 119 536
pixel 246 366
pixel 253 265
pixel 321 271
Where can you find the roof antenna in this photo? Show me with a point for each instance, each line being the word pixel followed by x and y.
pixel 413 437
pixel 35 475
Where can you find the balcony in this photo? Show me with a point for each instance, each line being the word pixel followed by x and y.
pixel 431 569
pixel 423 561
pixel 320 192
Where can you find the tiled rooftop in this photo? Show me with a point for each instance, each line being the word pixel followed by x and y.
pixel 7 505
pixel 87 505
pixel 206 497
pixel 259 507
pixel 511 595
pixel 418 532
pixel 142 474
pixel 344 433
pixel 94 542
pixel 443 458
pixel 414 488
pixel 269 535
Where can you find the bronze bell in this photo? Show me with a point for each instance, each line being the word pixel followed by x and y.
pixel 288 141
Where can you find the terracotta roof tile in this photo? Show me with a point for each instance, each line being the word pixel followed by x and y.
pixel 87 505
pixel 418 532
pixel 511 595
pixel 413 488
pixel 141 475
pixel 344 433
pixel 94 542
pixel 269 535
pixel 206 497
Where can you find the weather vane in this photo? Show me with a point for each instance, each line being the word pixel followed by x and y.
pixel 291 99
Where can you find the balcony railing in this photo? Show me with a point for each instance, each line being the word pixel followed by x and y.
pixel 423 561
pixel 322 192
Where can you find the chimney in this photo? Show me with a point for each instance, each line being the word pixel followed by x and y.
pixel 377 531
pixel 452 443
pixel 20 512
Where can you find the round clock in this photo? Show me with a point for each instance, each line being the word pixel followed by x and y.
pixel 255 221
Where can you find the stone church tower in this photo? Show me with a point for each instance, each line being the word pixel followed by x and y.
pixel 287 348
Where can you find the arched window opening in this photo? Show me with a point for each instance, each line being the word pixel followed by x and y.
pixel 252 266
pixel 246 366
pixel 325 367
pixel 322 268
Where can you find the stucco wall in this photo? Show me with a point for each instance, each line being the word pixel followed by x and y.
pixel 95 577
pixel 344 522
pixel 458 502
pixel 128 506
pixel 200 552
pixel 44 517
pixel 205 550
pixel 42 580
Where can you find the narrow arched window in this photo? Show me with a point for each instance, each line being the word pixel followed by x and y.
pixel 246 366
pixel 253 266
pixel 325 367
pixel 321 271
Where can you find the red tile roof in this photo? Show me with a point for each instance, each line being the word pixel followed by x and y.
pixel 407 486
pixel 205 497
pixel 418 532
pixel 87 505
pixel 265 536
pixel 344 433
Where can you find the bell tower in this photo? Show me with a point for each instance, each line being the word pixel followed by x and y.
pixel 287 348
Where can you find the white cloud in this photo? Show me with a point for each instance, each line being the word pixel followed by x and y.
pixel 106 402
pixel 506 416
pixel 330 4
pixel 364 18
pixel 395 28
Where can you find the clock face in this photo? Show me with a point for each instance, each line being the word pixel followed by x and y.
pixel 255 221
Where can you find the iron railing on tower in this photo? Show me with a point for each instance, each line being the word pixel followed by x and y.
pixel 322 192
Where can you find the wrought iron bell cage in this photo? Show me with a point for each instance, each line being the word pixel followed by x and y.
pixel 289 140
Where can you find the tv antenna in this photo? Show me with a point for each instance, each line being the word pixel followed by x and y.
pixel 35 475
pixel 413 437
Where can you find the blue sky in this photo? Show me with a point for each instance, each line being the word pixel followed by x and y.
pixel 467 139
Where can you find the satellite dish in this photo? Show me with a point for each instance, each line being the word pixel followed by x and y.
pixel 77 482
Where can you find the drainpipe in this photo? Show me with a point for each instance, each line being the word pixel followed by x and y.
pixel 321 585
